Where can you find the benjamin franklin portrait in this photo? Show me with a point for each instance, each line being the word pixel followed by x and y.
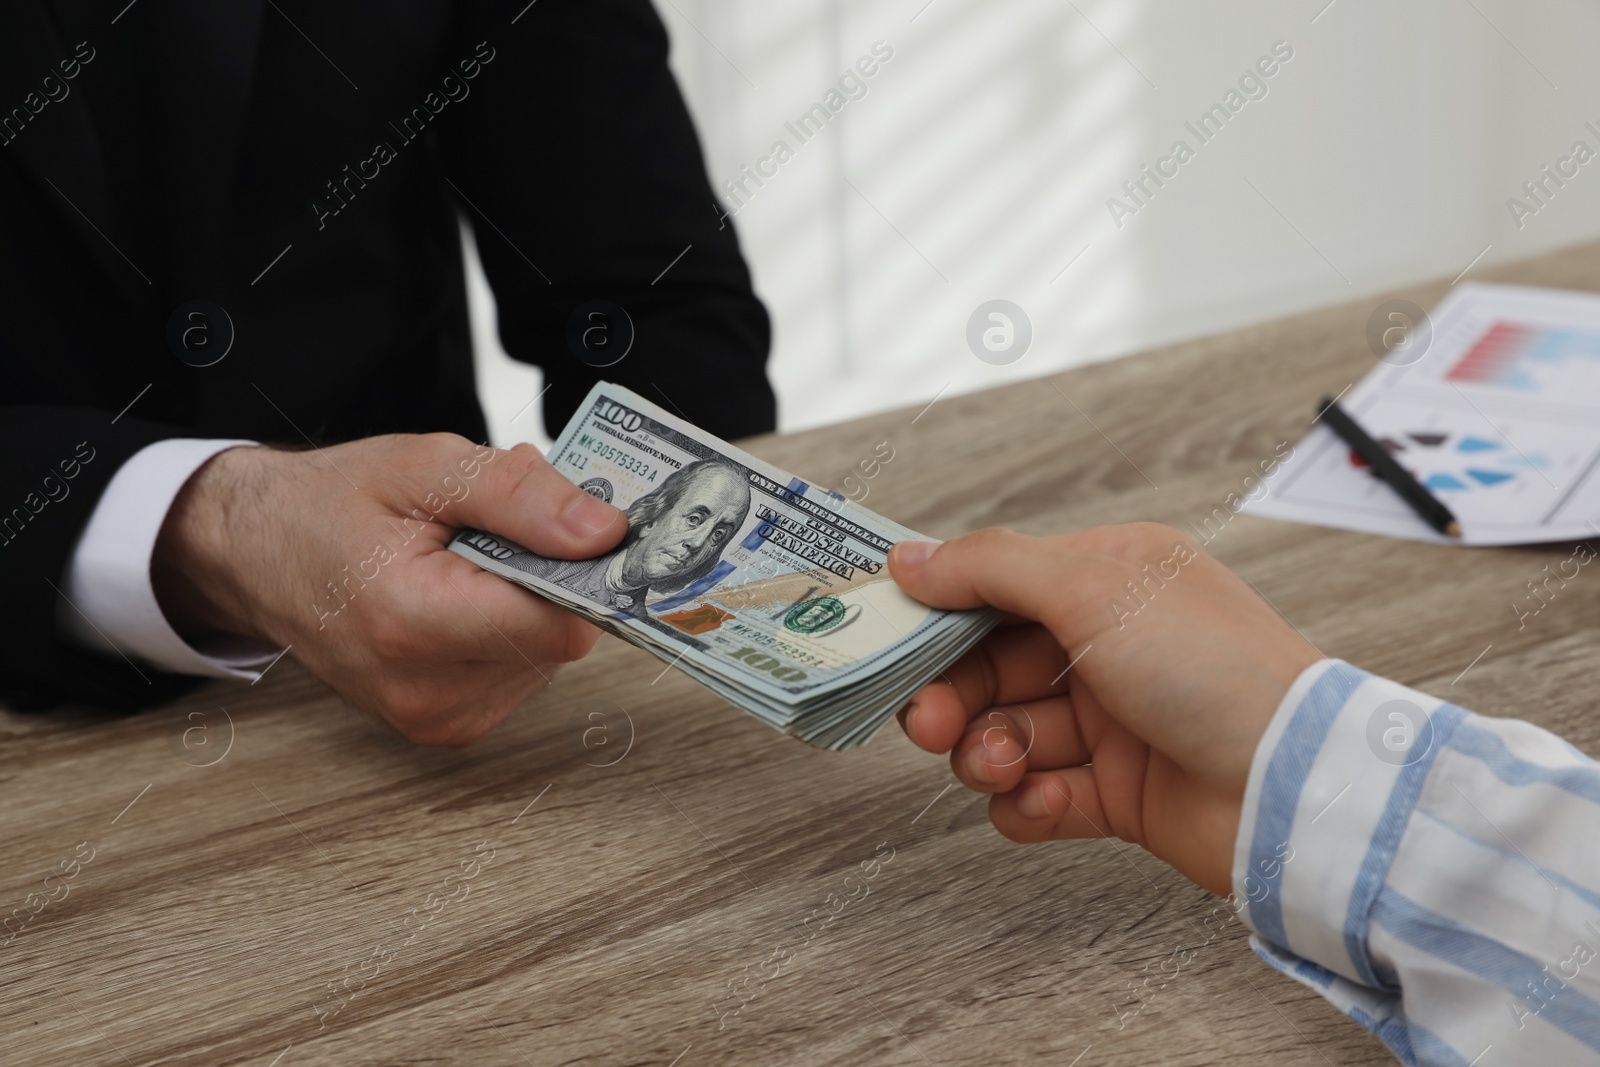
pixel 676 534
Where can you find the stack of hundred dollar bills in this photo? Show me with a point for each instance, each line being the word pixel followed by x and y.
pixel 772 593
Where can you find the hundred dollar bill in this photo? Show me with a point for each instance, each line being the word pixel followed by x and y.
pixel 772 592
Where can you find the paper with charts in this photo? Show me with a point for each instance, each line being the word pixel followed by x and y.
pixel 773 593
pixel 1499 418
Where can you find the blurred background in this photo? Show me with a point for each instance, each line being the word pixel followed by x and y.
pixel 976 163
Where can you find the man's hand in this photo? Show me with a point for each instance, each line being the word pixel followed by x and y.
pixel 341 553
pixel 1150 735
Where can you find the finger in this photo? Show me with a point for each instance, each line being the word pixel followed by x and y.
pixel 526 627
pixel 1051 805
pixel 1038 578
pixel 515 493
pixel 457 612
pixel 1003 744
pixel 468 720
pixel 456 705
pixel 1010 665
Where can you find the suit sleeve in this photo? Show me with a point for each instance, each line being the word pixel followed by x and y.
pixel 58 463
pixel 584 181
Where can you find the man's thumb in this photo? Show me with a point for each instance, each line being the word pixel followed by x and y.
pixel 518 495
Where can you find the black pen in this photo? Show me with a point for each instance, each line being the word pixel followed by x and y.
pixel 1396 477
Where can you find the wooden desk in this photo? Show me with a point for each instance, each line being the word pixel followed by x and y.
pixel 625 887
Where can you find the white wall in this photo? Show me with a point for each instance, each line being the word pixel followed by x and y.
pixel 980 160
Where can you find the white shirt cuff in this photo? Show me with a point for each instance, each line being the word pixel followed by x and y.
pixel 109 603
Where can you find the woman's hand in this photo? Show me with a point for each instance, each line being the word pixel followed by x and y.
pixel 1176 667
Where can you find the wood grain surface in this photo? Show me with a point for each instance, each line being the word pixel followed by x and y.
pixel 604 876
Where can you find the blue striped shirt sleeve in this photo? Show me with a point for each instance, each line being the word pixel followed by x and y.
pixel 1433 873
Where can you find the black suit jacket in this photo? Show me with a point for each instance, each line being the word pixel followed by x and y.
pixel 301 165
